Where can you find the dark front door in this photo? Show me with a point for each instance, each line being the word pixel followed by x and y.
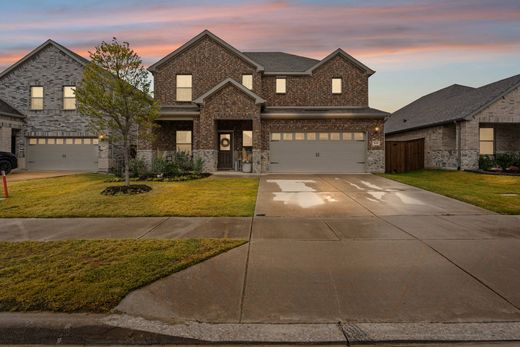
pixel 225 151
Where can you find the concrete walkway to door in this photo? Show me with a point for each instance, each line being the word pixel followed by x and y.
pixel 350 248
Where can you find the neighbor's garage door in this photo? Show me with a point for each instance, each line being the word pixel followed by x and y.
pixel 75 154
pixel 318 152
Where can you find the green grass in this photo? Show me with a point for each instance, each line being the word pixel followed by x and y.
pixel 79 196
pixel 477 189
pixel 91 276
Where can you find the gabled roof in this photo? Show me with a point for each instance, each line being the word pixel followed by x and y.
pixel 282 62
pixel 8 110
pixel 447 105
pixel 206 33
pixel 342 53
pixel 200 99
pixel 74 56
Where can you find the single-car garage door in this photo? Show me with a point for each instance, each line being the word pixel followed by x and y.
pixel 75 154
pixel 318 152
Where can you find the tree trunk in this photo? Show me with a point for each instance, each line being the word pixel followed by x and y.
pixel 126 159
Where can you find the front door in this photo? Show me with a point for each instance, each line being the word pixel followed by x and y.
pixel 225 151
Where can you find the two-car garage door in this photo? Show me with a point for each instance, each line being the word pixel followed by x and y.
pixel 318 152
pixel 74 154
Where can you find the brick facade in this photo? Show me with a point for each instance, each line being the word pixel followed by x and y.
pixel 230 108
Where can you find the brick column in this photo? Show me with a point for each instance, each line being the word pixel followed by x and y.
pixel 469 144
pixel 5 139
pixel 145 150
pixel 207 143
pixel 257 144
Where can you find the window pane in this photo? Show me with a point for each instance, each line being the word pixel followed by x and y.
pixel 486 134
pixel 359 136
pixel 183 136
pixel 87 141
pixel 184 81
pixel 69 103
pixel 247 138
pixel 299 136
pixel 347 136
pixel 77 141
pixel 324 136
pixel 275 137
pixel 287 136
pixel 41 141
pixel 68 92
pixel 281 85
pixel 32 141
pixel 95 141
pixel 311 136
pixel 185 148
pixel 183 94
pixel 69 141
pixel 51 141
pixel 247 81
pixel 36 92
pixel 486 147
pixel 37 104
pixel 336 85
pixel 334 136
pixel 59 141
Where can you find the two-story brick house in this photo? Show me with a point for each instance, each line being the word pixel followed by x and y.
pixel 38 117
pixel 278 111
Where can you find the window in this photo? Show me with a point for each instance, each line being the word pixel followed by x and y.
pixel 324 136
pixel 36 98
pixel 336 86
pixel 486 141
pixel 334 136
pixel 281 85
pixel 276 137
pixel 347 136
pixel 359 136
pixel 95 141
pixel 311 136
pixel 299 136
pixel 183 87
pixel 59 141
pixel 77 141
pixel 69 98
pixel 247 138
pixel 33 141
pixel 183 141
pixel 69 141
pixel 87 141
pixel 287 136
pixel 51 141
pixel 247 81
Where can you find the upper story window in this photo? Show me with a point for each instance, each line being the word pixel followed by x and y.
pixel 184 88
pixel 487 141
pixel 336 86
pixel 281 85
pixel 36 98
pixel 247 81
pixel 69 98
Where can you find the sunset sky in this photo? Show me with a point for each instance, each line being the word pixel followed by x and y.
pixel 416 47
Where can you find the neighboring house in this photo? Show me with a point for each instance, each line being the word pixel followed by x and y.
pixel 38 117
pixel 278 111
pixel 459 123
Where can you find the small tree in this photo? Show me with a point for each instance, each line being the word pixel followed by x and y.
pixel 115 95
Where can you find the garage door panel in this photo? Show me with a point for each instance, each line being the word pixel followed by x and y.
pixel 315 156
pixel 75 157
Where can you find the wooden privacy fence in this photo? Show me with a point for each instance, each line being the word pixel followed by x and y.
pixel 402 156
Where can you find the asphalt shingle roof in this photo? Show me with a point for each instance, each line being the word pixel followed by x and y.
pixel 281 62
pixel 8 110
pixel 455 102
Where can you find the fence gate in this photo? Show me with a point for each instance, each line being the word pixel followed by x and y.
pixel 402 156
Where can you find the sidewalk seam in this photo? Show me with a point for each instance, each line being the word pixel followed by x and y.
pixel 153 228
pixel 243 294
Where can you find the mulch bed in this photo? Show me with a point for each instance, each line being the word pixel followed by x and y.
pixel 131 189
pixel 496 173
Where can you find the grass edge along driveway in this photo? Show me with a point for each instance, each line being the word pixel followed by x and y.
pixel 79 196
pixel 477 189
pixel 93 275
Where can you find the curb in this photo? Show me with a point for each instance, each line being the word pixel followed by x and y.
pixel 52 328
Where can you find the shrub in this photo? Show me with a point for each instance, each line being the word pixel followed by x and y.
pixel 180 165
pixel 505 160
pixel 516 159
pixel 486 162
pixel 198 166
pixel 138 168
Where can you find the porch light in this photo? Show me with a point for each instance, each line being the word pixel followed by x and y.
pixel 102 137
pixel 376 129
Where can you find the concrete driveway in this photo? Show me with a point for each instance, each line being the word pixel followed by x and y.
pixel 22 175
pixel 351 248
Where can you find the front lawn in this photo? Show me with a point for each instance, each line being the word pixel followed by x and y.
pixel 79 196
pixel 91 276
pixel 477 189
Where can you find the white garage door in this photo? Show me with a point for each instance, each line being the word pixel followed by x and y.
pixel 318 152
pixel 74 154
